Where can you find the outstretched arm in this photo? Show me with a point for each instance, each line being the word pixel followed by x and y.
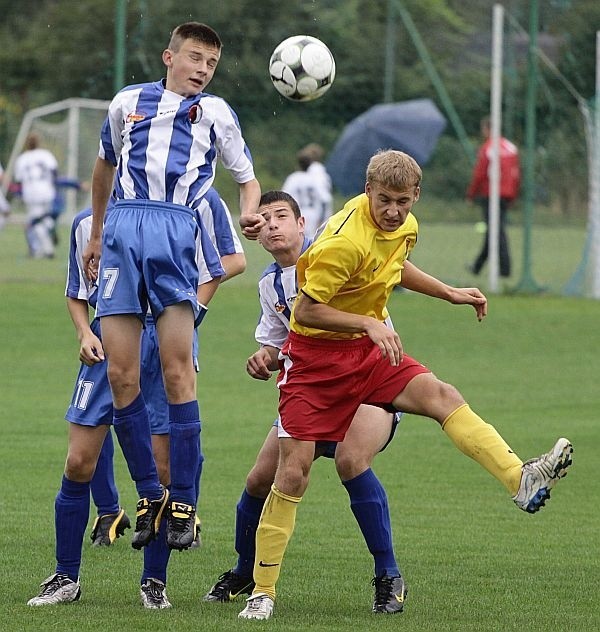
pixel 418 281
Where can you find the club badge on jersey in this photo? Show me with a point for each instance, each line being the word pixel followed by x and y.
pixel 195 113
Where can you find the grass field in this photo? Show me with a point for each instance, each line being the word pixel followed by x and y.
pixel 471 559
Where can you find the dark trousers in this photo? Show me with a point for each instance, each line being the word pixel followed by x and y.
pixel 502 242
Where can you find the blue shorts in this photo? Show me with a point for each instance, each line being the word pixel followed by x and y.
pixel 329 447
pixel 92 405
pixel 148 259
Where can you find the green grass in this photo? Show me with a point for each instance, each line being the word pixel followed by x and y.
pixel 471 559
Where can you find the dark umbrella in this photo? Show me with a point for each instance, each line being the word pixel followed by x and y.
pixel 410 126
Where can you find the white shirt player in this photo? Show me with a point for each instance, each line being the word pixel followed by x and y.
pixel 36 171
pixel 312 191
pixel 4 205
pixel 277 291
pixel 318 171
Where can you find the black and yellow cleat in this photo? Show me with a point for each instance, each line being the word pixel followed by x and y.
pixel 108 527
pixel 181 525
pixel 197 543
pixel 148 516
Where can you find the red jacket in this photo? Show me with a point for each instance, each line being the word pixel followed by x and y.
pixel 510 173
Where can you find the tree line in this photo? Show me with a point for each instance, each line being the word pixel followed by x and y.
pixel 55 49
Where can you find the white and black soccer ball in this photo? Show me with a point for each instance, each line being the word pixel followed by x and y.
pixel 302 68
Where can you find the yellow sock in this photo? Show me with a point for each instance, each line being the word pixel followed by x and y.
pixel 477 439
pixel 272 536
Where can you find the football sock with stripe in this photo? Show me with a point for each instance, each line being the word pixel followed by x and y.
pixel 71 513
pixel 132 428
pixel 480 441
pixel 272 536
pixel 184 450
pixel 247 515
pixel 369 505
pixel 103 486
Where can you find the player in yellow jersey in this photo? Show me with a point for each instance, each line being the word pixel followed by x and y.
pixel 345 280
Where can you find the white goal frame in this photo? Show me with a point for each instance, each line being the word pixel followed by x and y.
pixel 73 107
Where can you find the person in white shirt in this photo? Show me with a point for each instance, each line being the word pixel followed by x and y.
pixel 35 171
pixel 310 186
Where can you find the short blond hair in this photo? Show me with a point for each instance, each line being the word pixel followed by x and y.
pixel 394 169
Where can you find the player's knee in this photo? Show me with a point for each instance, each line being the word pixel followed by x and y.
pixel 445 400
pixel 257 484
pixel 349 466
pixel 450 394
pixel 292 480
pixel 79 467
pixel 122 380
pixel 179 384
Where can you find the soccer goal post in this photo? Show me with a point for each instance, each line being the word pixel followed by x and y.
pixel 586 279
pixel 70 129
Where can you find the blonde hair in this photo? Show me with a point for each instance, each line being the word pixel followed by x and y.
pixel 394 169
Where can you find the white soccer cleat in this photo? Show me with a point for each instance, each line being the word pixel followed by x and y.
pixel 58 588
pixel 540 475
pixel 259 606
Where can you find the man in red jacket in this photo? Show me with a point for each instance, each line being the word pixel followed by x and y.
pixel 479 189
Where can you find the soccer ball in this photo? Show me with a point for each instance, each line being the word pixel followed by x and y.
pixel 302 68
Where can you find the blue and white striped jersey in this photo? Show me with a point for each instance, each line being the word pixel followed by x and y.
pixel 165 146
pixel 77 284
pixel 207 258
pixel 219 224
pixel 277 291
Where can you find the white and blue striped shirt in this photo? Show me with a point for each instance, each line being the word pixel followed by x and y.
pixel 277 291
pixel 219 224
pixel 165 146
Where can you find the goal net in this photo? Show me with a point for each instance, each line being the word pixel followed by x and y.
pixel 70 129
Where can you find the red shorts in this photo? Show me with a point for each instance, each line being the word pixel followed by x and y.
pixel 322 383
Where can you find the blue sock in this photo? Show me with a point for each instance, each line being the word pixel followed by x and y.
pixel 156 556
pixel 71 513
pixel 198 471
pixel 369 505
pixel 133 432
pixel 248 512
pixel 184 450
pixel 103 486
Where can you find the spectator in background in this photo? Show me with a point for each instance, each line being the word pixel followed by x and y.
pixel 479 189
pixel 35 172
pixel 4 205
pixel 311 187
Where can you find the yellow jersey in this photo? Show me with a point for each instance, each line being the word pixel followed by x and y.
pixel 353 265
